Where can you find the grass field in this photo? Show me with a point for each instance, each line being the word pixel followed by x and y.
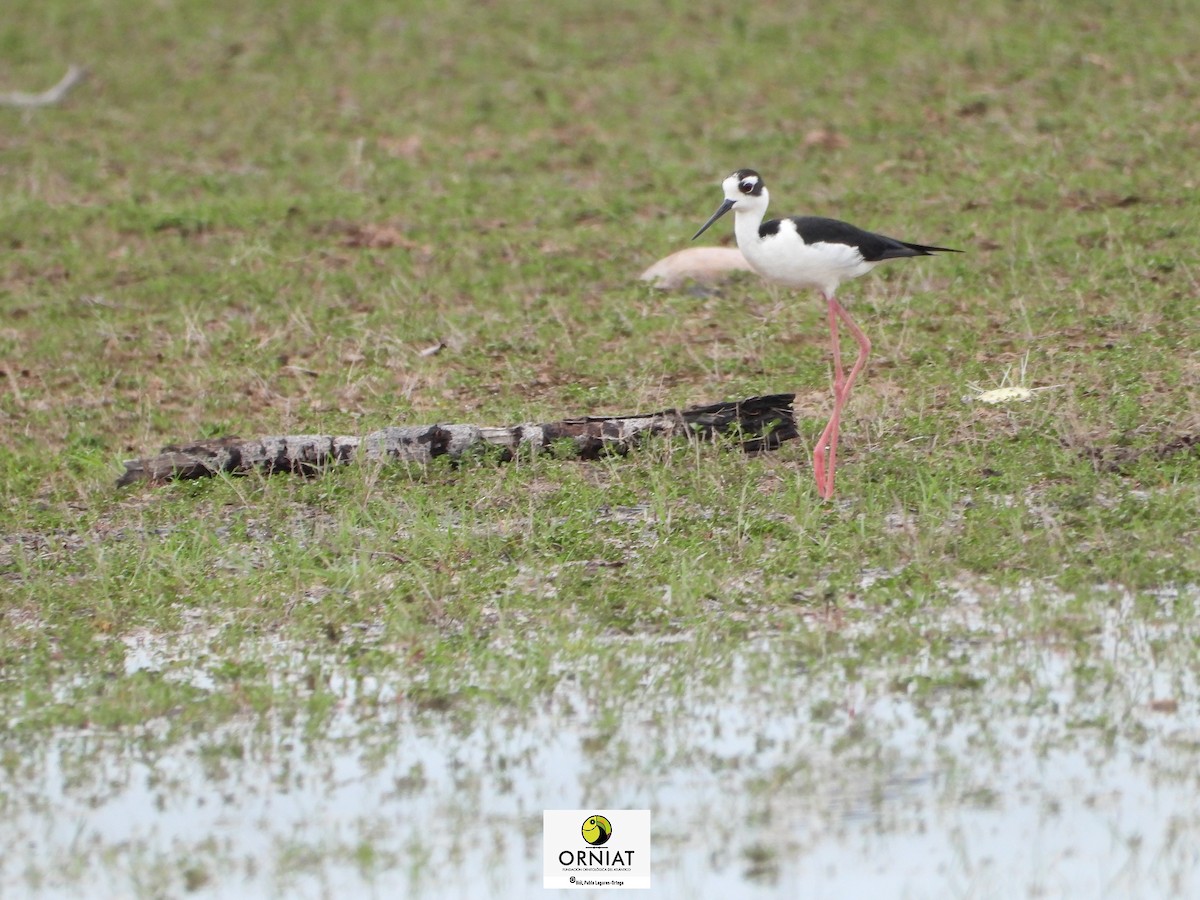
pixel 252 218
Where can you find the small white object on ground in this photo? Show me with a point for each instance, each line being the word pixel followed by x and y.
pixel 25 100
pixel 1005 395
pixel 695 264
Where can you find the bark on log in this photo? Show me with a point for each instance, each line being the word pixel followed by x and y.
pixel 759 423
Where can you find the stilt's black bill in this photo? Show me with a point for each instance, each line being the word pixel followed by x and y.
pixel 721 210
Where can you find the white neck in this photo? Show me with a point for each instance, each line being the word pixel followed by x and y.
pixel 746 222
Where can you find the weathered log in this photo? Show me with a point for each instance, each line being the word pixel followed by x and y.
pixel 759 423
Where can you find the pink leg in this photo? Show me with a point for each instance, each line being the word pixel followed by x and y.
pixel 835 345
pixel 842 384
pixel 827 442
pixel 839 379
pixel 864 349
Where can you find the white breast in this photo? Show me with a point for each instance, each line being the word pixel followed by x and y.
pixel 784 258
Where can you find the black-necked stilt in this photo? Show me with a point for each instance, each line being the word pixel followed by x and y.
pixel 809 251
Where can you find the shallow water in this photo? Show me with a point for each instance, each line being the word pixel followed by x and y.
pixel 1038 770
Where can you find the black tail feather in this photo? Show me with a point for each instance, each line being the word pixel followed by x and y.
pixel 925 250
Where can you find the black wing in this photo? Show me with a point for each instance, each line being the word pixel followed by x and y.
pixel 873 247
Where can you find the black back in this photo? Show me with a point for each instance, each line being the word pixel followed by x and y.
pixel 873 247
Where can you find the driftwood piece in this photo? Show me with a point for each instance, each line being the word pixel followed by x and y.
pixel 759 423
pixel 24 100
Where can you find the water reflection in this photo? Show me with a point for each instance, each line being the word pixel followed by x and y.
pixel 987 763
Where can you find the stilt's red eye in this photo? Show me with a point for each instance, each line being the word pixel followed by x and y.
pixel 747 187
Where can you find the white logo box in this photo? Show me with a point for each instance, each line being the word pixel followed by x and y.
pixel 619 861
